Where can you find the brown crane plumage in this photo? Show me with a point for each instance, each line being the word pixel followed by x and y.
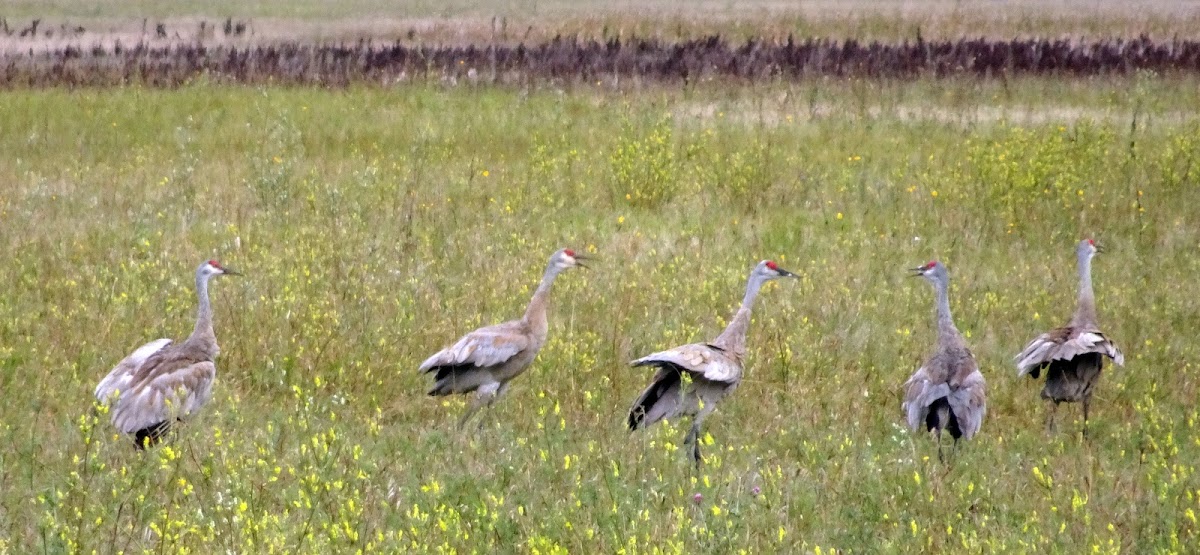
pixel 161 382
pixel 484 361
pixel 947 393
pixel 693 378
pixel 1072 355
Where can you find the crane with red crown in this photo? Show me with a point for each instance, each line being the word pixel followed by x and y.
pixel 693 378
pixel 947 393
pixel 484 361
pixel 1072 355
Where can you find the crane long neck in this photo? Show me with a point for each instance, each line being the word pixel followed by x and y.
pixel 203 332
pixel 1085 312
pixel 535 314
pixel 945 322
pixel 734 336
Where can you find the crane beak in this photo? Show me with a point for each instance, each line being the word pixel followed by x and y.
pixel 579 258
pixel 785 273
pixel 1099 248
pixel 916 272
pixel 230 272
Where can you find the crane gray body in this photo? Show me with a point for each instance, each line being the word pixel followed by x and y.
pixel 1072 356
pixel 484 361
pixel 161 382
pixel 692 379
pixel 947 393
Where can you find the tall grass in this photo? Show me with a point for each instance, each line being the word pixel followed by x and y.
pixel 374 226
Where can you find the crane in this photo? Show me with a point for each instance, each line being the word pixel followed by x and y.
pixel 1072 355
pixel 947 393
pixel 693 378
pixel 484 361
pixel 161 382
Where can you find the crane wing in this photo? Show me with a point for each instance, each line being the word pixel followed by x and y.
pixel 489 346
pixel 661 399
pixel 968 401
pixel 698 358
pixel 174 388
pixel 920 392
pixel 118 380
pixel 1064 343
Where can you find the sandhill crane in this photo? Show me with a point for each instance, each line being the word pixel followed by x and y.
pixel 161 382
pixel 486 360
pixel 693 378
pixel 947 392
pixel 1073 354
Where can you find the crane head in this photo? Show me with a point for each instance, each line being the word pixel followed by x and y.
pixel 1088 247
pixel 214 268
pixel 567 258
pixel 932 271
pixel 770 270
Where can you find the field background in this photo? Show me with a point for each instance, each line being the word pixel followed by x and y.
pixel 375 225
pixel 462 22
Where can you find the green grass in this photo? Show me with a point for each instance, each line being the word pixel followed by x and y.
pixel 375 226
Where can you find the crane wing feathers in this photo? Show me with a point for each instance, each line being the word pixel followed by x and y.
pixel 697 358
pixel 118 380
pixel 969 403
pixel 920 392
pixel 489 346
pixel 1065 344
pixel 962 386
pixel 168 392
pixel 659 400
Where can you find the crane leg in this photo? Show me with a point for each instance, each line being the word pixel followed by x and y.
pixel 693 435
pixel 484 396
pixel 472 407
pixel 693 438
pixel 1050 417
pixel 491 401
pixel 1086 400
pixel 937 435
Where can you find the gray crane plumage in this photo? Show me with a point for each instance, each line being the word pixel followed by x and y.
pixel 484 361
pixel 947 393
pixel 713 370
pixel 160 381
pixel 1072 355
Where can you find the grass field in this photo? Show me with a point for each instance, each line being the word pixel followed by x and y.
pixel 375 226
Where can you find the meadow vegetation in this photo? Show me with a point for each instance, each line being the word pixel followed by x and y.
pixel 375 225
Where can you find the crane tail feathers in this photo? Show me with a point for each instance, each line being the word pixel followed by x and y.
pixel 1072 380
pixel 659 400
pixel 463 378
pixel 151 435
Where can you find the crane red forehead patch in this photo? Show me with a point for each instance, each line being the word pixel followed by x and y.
pixel 214 263
pixel 771 264
pixel 1091 242
pixel 931 264
pixel 569 253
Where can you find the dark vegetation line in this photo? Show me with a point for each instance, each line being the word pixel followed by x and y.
pixel 572 60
